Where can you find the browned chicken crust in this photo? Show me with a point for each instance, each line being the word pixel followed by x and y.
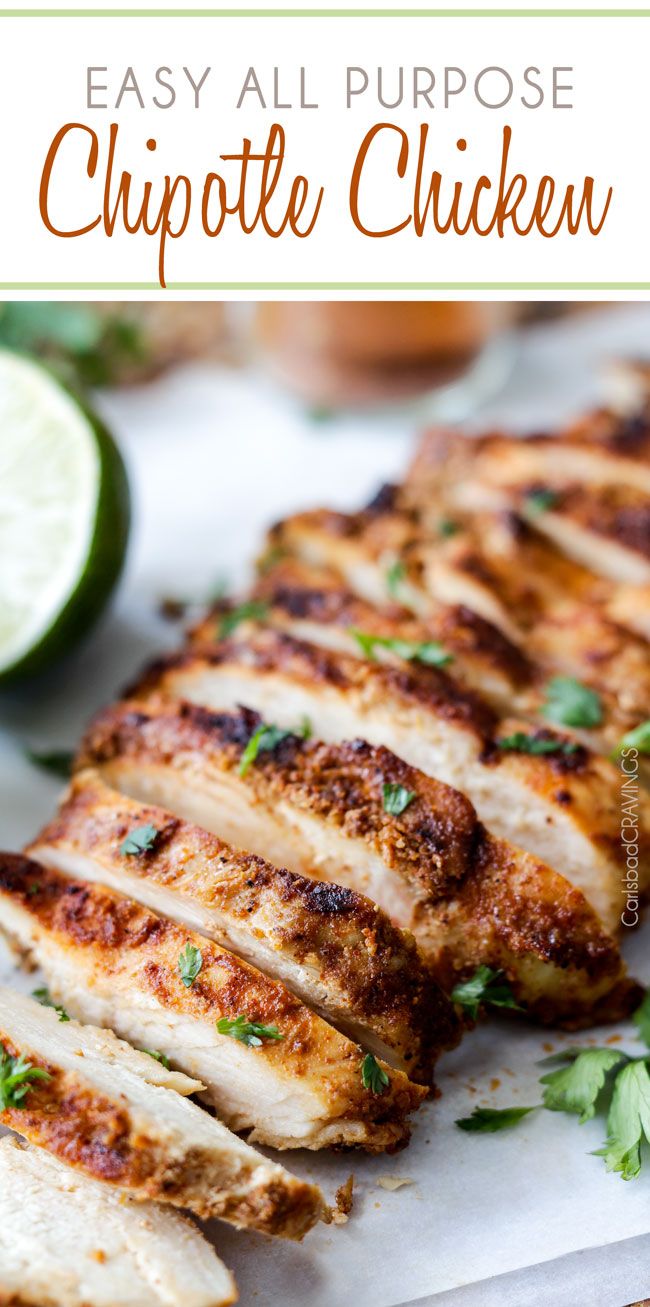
pixel 336 949
pixel 470 899
pixel 97 947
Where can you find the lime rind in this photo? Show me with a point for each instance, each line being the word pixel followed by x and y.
pixel 93 508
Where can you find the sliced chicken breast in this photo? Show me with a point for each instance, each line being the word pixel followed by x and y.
pixel 68 1241
pixel 562 806
pixel 117 1116
pixel 603 448
pixel 574 641
pixel 469 898
pixel 275 1070
pixel 333 948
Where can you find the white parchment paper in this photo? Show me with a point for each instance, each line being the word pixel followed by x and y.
pixel 214 457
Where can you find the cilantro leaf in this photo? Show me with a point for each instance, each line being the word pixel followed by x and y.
pixel 575 1088
pixel 428 652
pixel 638 738
pixel 373 1076
pixel 42 996
pixel 448 528
pixel 158 1057
pixel 641 1019
pixel 396 798
pixel 254 610
pixel 628 1121
pixel 247 1032
pixel 305 730
pixel 15 1077
pixel 140 840
pixel 394 576
pixel 483 988
pixel 539 501
pixel 571 703
pixel 57 761
pixel 190 961
pixel 264 740
pixel 519 742
pixel 487 1120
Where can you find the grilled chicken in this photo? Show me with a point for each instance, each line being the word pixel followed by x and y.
pixel 116 1115
pixel 114 963
pixel 469 898
pixel 312 605
pixel 603 448
pixel 335 949
pixel 67 1241
pixel 561 806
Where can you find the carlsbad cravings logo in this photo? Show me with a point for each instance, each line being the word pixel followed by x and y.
pixel 396 182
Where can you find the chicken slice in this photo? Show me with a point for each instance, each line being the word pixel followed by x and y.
pixel 603 448
pixel 115 1115
pixel 469 898
pixel 68 1241
pixel 333 948
pixel 562 806
pixel 312 605
pixel 111 962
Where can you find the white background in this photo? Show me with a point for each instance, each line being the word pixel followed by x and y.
pixel 43 86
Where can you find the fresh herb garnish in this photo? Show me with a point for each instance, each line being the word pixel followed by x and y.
pixel 158 1057
pixel 373 1076
pixel 85 346
pixel 57 761
pixel 305 730
pixel 586 1081
pixel 247 1032
pixel 140 840
pixel 394 576
pixel 428 652
pixel 15 1079
pixel 396 798
pixel 484 988
pixel 638 738
pixel 519 742
pixel 190 961
pixel 575 1086
pixel 263 740
pixel 448 528
pixel 254 610
pixel 487 1120
pixel 539 501
pixel 43 997
pixel 570 703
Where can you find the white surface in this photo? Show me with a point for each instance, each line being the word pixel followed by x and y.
pixel 213 458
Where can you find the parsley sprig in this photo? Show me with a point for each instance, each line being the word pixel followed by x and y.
pixel 396 798
pixel 43 997
pixel 520 742
pixel 265 739
pixel 140 840
pixel 587 1081
pixel 484 989
pixel 190 961
pixel 428 652
pixel 16 1079
pixel 373 1076
pixel 570 703
pixel 247 1032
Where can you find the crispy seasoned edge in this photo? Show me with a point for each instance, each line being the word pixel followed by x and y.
pixel 93 1132
pixel 85 916
pixel 374 968
pixel 274 651
pixel 431 843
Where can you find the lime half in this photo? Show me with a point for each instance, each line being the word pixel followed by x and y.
pixel 64 517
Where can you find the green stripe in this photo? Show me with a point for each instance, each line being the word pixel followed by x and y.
pixel 326 285
pixel 324 13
